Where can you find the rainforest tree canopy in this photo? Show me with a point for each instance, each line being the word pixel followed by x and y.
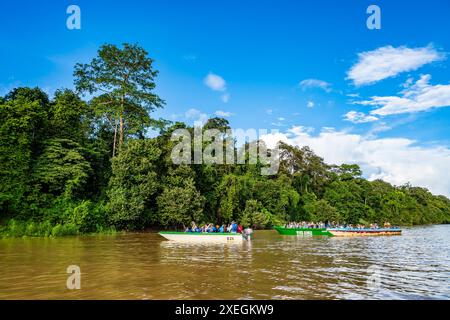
pixel 71 164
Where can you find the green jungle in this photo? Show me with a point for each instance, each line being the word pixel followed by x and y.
pixel 82 162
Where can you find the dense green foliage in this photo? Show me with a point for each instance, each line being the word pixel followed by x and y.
pixel 59 175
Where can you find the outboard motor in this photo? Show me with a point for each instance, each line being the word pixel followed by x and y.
pixel 246 233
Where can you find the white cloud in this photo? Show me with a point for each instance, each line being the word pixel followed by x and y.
pixel 225 97
pixel 215 82
pixel 385 62
pixel 224 114
pixel 269 111
pixel 175 116
pixel 191 113
pixel 197 116
pixel 359 117
pixel 396 160
pixel 379 127
pixel 310 104
pixel 280 119
pixel 315 83
pixel 420 96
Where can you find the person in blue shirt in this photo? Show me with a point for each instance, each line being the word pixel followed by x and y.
pixel 221 229
pixel 234 227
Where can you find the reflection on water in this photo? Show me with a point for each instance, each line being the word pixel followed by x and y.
pixel 415 265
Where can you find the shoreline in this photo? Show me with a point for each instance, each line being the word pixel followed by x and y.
pixel 152 230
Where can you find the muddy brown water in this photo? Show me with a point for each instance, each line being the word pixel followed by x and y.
pixel 415 265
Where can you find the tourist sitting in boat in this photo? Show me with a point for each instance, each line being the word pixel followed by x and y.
pixel 232 227
pixel 334 225
pixel 211 228
pixel 305 225
pixel 194 227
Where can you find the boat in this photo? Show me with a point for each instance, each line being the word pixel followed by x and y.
pixel 304 232
pixel 354 232
pixel 338 232
pixel 202 237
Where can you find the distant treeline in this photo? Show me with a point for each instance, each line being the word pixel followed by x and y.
pixel 70 166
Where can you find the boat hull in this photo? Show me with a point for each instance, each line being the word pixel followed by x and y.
pixel 204 237
pixel 303 232
pixel 337 232
pixel 364 232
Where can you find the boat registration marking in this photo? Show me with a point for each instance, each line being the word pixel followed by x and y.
pixel 304 233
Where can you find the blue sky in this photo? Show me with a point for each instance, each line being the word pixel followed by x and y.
pixel 311 69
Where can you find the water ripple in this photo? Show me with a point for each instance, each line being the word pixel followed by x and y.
pixel 415 265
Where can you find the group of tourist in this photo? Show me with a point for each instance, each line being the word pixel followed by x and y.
pixel 314 225
pixel 233 227
pixel 306 225
pixel 210 227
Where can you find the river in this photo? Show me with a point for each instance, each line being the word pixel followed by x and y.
pixel 415 265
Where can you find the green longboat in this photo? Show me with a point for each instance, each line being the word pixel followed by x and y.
pixel 303 231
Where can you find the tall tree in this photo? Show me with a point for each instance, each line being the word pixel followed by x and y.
pixel 180 202
pixel 23 116
pixel 62 168
pixel 133 184
pixel 68 117
pixel 122 80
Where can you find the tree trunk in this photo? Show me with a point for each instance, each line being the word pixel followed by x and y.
pixel 115 140
pixel 121 132
pixel 121 123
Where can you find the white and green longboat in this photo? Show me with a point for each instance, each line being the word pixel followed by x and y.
pixel 204 237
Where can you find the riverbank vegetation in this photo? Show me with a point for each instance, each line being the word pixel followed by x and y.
pixel 81 162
